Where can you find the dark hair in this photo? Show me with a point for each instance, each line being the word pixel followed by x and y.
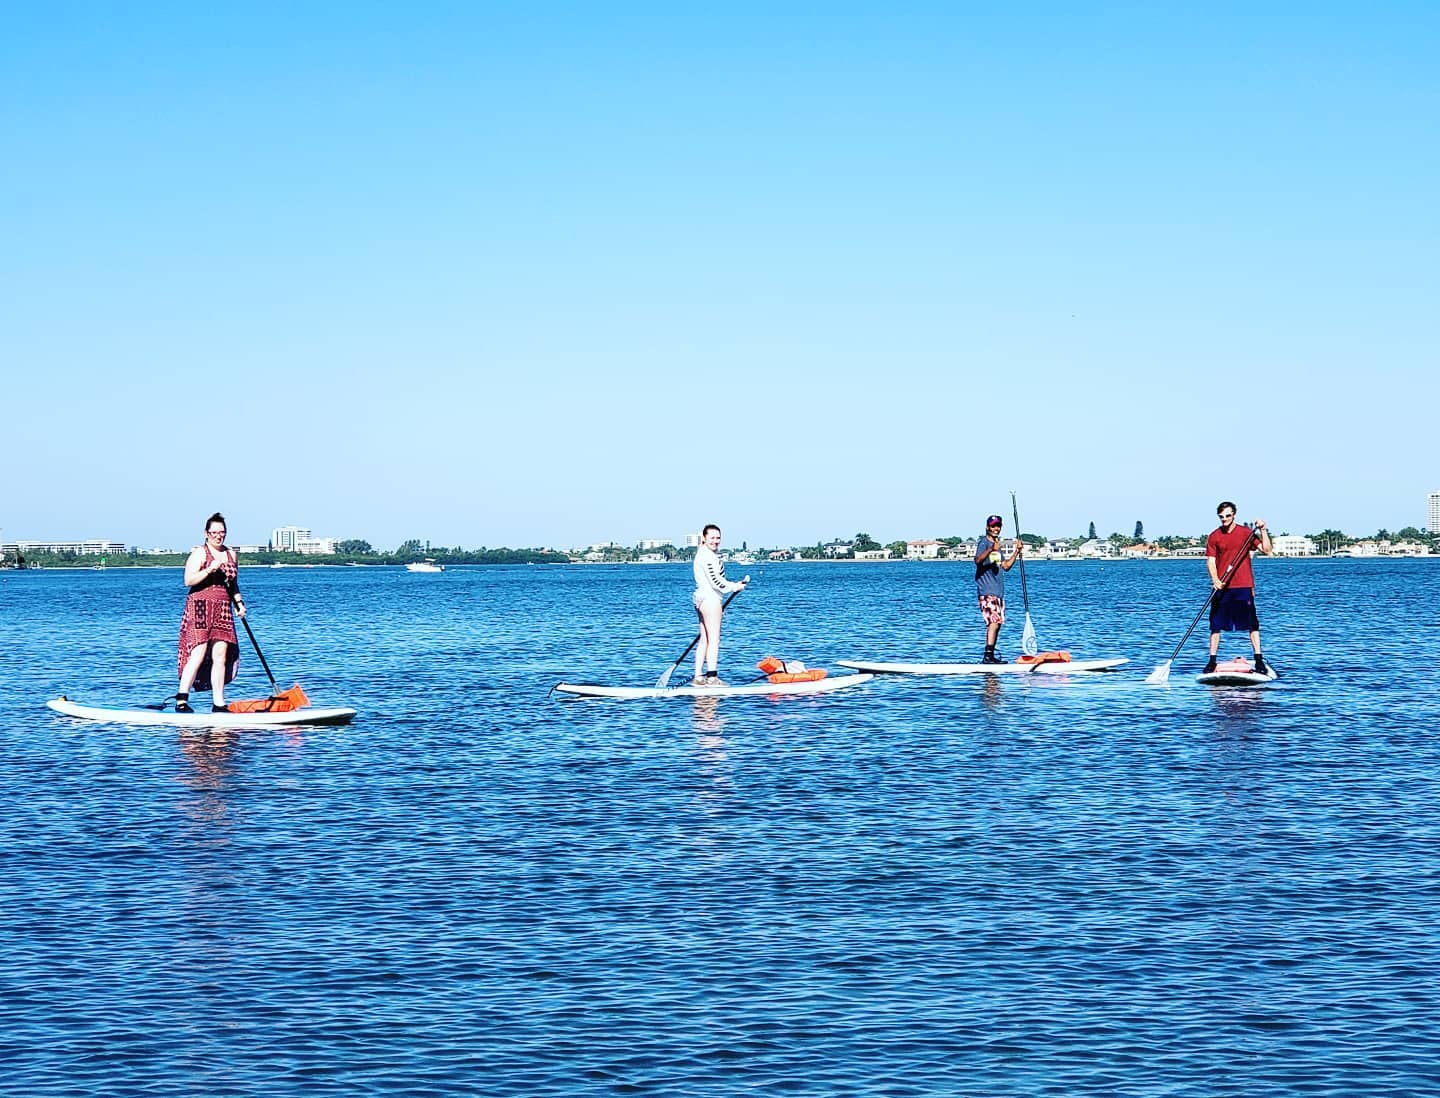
pixel 216 517
pixel 708 527
pixel 1224 503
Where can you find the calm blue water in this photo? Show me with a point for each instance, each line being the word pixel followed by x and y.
pixel 919 887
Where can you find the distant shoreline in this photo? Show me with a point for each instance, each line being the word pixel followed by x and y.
pixel 753 564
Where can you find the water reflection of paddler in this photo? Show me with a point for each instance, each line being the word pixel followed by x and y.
pixel 713 797
pixel 210 753
pixel 209 649
pixel 992 692
pixel 1238 702
pixel 708 721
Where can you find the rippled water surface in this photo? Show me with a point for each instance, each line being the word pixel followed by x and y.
pixel 959 886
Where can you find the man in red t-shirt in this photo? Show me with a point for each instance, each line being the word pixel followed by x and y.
pixel 1227 555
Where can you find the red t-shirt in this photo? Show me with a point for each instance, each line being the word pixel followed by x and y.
pixel 1223 547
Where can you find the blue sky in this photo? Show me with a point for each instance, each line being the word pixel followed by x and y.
pixel 550 274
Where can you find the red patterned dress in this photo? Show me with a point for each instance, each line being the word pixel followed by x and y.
pixel 208 619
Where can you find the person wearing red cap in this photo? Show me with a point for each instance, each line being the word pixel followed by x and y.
pixel 990 568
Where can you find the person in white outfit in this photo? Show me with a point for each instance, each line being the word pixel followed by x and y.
pixel 710 588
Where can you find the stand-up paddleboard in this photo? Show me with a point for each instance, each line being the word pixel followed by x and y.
pixel 1237 672
pixel 1056 668
pixel 198 719
pixel 812 686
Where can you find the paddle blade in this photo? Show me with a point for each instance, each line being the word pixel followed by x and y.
pixel 1027 638
pixel 664 680
pixel 1160 676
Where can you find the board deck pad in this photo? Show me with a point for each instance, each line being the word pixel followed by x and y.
pixel 201 719
pixel 1054 668
pixel 1237 672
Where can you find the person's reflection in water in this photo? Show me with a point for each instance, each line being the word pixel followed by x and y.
pixel 716 788
pixel 210 753
pixel 1242 760
pixel 708 721
pixel 992 693
pixel 1241 705
pixel 210 894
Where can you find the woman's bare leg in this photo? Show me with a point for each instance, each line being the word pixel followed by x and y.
pixel 192 668
pixel 710 611
pixel 218 651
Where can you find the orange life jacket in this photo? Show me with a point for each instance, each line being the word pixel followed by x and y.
pixel 283 702
pixel 778 671
pixel 810 674
pixel 1046 657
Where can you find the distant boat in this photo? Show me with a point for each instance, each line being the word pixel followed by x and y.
pixel 426 565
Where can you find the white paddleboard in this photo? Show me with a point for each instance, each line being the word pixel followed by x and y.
pixel 1237 678
pixel 198 719
pixel 813 686
pixel 1048 668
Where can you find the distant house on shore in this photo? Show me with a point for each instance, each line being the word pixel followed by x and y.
pixel 924 549
pixel 1293 545
pixel 1410 549
pixel 1369 547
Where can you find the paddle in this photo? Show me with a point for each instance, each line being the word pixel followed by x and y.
pixel 1028 643
pixel 233 588
pixel 664 680
pixel 1161 675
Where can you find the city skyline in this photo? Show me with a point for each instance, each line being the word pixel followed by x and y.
pixel 287 538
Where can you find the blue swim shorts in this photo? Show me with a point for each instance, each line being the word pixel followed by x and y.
pixel 1233 611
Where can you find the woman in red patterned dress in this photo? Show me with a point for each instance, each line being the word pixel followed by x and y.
pixel 209 649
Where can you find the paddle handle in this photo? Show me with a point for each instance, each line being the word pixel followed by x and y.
pixel 1224 582
pixel 1024 587
pixel 233 589
pixel 273 684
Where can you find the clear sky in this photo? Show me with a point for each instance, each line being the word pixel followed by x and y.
pixel 551 273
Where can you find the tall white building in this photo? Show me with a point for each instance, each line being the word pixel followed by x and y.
pixel 286 538
pixel 297 539
pixel 1434 524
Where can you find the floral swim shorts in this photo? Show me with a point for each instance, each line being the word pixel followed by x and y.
pixel 992 609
